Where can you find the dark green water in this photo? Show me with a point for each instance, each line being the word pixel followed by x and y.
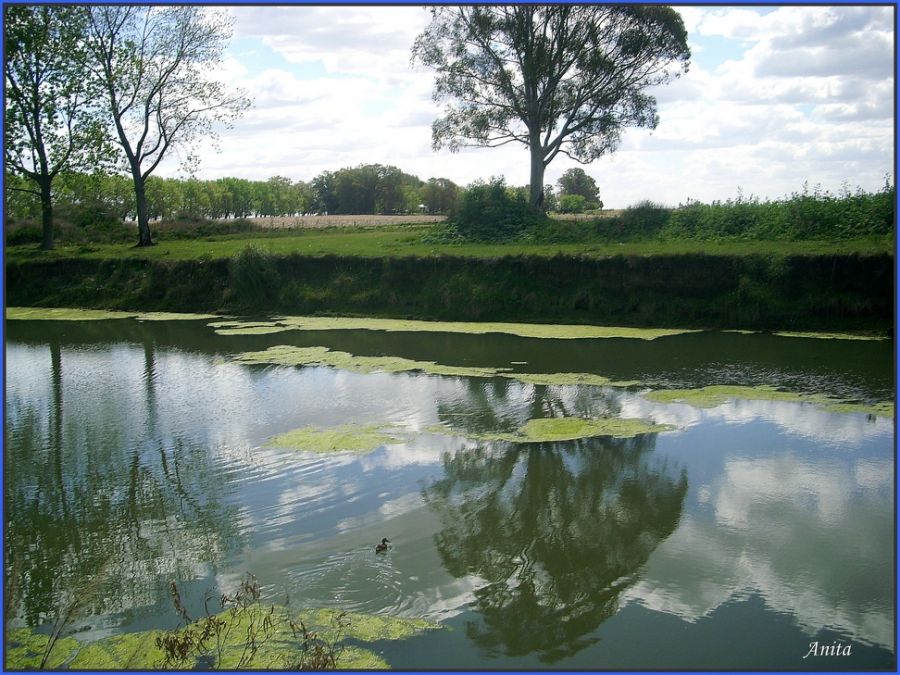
pixel 135 456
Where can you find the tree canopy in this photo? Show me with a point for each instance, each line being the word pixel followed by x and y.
pixel 153 64
pixel 576 182
pixel 50 122
pixel 556 78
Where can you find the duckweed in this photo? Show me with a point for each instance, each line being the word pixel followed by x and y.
pixel 64 314
pixel 546 430
pixel 348 437
pixel 138 651
pixel 714 395
pixel 367 627
pixel 533 330
pixel 830 336
pixel 75 314
pixel 129 651
pixel 287 355
pixel 550 379
pixel 25 650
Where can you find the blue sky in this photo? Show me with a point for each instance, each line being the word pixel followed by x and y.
pixel 775 97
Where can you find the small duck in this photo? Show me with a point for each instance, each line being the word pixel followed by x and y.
pixel 383 546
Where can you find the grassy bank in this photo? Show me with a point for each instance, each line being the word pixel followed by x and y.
pixel 775 289
pixel 398 242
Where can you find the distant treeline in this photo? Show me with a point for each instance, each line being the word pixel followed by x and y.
pixel 89 199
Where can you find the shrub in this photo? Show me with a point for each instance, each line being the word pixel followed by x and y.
pixel 572 204
pixel 490 212
pixel 25 234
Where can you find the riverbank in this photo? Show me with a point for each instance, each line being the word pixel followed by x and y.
pixel 770 291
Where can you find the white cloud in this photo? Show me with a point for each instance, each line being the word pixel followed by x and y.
pixel 797 94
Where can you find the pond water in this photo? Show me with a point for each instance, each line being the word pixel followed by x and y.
pixel 137 454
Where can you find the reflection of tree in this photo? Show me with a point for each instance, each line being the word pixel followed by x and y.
pixel 556 530
pixel 486 406
pixel 114 504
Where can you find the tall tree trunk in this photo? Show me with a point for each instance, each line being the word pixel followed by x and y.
pixel 537 173
pixel 46 212
pixel 140 197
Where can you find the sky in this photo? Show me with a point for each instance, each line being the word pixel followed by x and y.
pixel 775 98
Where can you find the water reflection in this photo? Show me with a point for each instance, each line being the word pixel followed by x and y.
pixel 556 531
pixel 101 506
pixel 762 527
pixel 135 454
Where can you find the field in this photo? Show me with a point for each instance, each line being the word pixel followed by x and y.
pixel 320 222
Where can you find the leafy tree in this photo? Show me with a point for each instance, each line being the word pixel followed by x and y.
pixel 323 187
pixel 242 195
pixel 153 64
pixel 164 197
pixel 440 195
pixel 571 203
pixel 577 182
pixel 50 124
pixel 557 78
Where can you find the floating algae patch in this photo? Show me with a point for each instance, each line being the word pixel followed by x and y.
pixel 25 650
pixel 283 648
pixel 129 651
pixel 367 627
pixel 64 314
pixel 251 330
pixel 545 430
pixel 287 355
pixel 347 437
pixel 75 314
pixel 714 395
pixel 534 330
pixel 173 316
pixel 830 336
pixel 881 408
pixel 550 379
pixel 248 327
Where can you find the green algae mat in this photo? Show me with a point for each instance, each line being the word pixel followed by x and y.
pixel 348 437
pixel 279 649
pixel 714 395
pixel 532 330
pixel 548 430
pixel 75 314
pixel 288 355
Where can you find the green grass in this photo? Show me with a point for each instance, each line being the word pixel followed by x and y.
pixel 408 242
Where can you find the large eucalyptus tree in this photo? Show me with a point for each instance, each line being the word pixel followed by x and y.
pixel 557 78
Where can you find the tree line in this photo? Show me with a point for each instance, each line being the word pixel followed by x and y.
pixel 123 86
pixel 83 199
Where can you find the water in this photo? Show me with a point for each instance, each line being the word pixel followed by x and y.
pixel 135 456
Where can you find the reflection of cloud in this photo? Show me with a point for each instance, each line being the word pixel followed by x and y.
pixel 802 419
pixel 772 520
pixel 445 601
